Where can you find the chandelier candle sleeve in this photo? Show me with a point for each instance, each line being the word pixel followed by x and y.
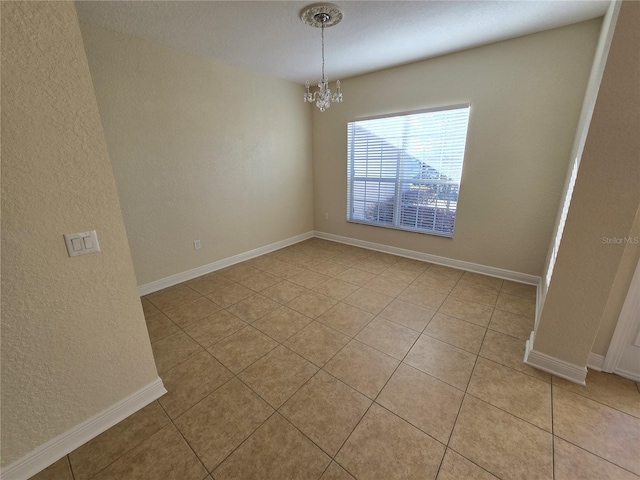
pixel 325 15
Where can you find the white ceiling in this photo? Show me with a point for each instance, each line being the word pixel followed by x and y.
pixel 270 38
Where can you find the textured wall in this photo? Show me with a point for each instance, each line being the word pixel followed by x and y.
pixel 605 201
pixel 74 340
pixel 525 97
pixel 200 150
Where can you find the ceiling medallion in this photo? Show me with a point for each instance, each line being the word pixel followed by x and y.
pixel 322 16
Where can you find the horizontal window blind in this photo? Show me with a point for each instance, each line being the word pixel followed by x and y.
pixel 404 171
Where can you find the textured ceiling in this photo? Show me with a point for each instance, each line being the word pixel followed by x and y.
pixel 270 38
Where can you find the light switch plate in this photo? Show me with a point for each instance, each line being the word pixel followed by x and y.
pixel 87 241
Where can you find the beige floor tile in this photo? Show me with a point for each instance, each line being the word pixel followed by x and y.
pixel 312 304
pixel 385 258
pixel 348 259
pixel 571 462
pixel 230 294
pixel 368 300
pixel 372 265
pixel 519 289
pixel 514 392
pixel 355 276
pixel 172 297
pixel 285 270
pixel 423 401
pixel 190 312
pixel 427 297
pixel 278 375
pixel 385 446
pixel 464 310
pixel 346 319
pixel 239 272
pixel 456 467
pixel 475 293
pixel 174 349
pixel 222 421
pixel 485 281
pixel 283 292
pixel 264 262
pixel 214 328
pixel 461 334
pixel 107 447
pixel 309 279
pixel 408 314
pixel 336 288
pixel 190 382
pixel 386 286
pixel 509 351
pixel 441 360
pixel 388 337
pixel 282 323
pixel 252 308
pixel 403 274
pixel 148 308
pixel 326 410
pixel 241 349
pixel 612 390
pixel 601 430
pixel 276 451
pixel 511 324
pixel 362 367
pixel 209 283
pixel 504 445
pixel 335 472
pixel 445 271
pixel 163 455
pixel 60 470
pixel 438 282
pixel 329 268
pixel 159 326
pixel 317 343
pixel 260 281
pixel 518 305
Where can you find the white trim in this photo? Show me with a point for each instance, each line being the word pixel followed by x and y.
pixel 595 362
pixel 448 262
pixel 626 323
pixel 560 368
pixel 627 374
pixel 56 448
pixel 171 280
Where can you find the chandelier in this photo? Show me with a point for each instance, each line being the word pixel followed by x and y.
pixel 322 16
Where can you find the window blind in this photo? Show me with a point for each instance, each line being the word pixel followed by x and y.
pixel 404 171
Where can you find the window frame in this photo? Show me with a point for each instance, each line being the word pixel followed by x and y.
pixel 398 180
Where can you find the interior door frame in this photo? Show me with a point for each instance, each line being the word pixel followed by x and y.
pixel 624 329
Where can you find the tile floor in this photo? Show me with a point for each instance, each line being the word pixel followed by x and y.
pixel 327 361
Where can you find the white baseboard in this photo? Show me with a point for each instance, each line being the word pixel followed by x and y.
pixel 595 362
pixel 547 363
pixel 166 282
pixel 627 374
pixel 53 450
pixel 426 257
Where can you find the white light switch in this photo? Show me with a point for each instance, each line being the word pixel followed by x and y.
pixel 81 243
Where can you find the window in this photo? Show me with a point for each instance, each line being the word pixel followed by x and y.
pixel 404 171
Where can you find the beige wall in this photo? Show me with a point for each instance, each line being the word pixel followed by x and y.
pixel 605 201
pixel 200 150
pixel 525 97
pixel 74 341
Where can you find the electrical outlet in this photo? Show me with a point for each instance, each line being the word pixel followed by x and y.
pixel 326 216
pixel 196 244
